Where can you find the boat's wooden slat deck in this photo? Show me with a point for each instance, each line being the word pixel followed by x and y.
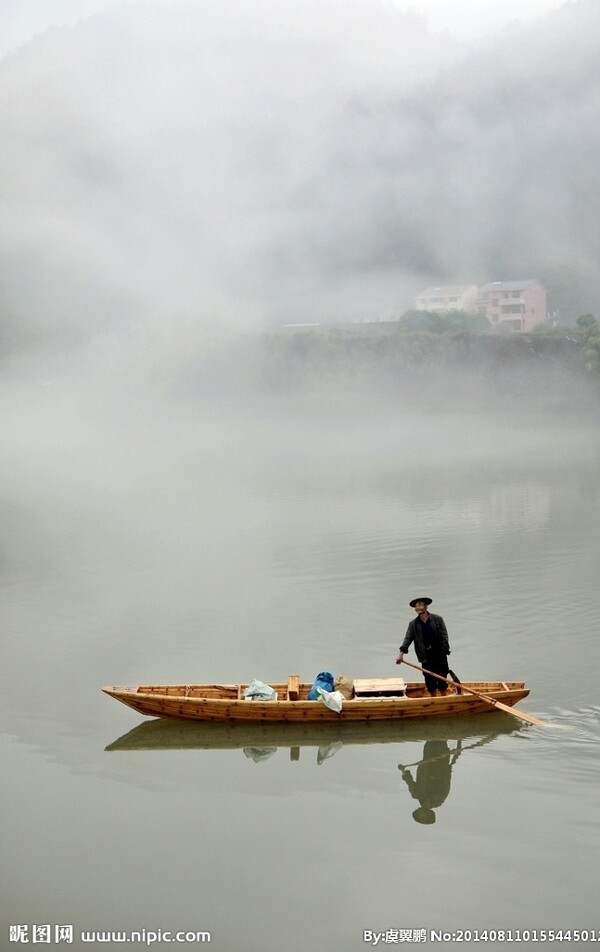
pixel 293 690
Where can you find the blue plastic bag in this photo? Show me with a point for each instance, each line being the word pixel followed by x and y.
pixel 323 680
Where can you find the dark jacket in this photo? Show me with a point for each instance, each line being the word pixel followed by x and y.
pixel 414 633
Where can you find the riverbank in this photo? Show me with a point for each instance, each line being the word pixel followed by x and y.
pixel 524 370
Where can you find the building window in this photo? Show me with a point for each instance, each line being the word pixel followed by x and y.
pixel 512 309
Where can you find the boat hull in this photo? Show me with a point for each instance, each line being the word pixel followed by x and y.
pixel 194 702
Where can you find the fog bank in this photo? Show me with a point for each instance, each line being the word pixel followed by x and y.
pixel 228 167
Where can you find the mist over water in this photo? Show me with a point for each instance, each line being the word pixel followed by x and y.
pixel 268 532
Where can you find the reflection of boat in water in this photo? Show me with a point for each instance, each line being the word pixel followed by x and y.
pixel 372 699
pixel 163 734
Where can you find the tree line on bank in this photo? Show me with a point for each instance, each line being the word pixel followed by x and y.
pixel 451 356
pixel 586 331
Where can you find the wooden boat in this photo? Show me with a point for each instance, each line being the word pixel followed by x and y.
pixel 373 699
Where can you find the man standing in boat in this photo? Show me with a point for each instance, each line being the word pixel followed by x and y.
pixel 430 637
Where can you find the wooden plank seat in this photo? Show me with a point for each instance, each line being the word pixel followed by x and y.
pixel 379 687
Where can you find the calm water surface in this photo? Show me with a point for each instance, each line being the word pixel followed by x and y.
pixel 140 545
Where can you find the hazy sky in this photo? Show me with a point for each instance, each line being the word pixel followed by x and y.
pixel 466 19
pixel 186 164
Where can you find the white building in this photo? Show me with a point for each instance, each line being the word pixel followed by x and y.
pixel 449 297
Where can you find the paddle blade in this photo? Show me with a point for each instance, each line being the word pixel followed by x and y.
pixel 528 718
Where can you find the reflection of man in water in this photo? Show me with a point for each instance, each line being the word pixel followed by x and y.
pixel 432 783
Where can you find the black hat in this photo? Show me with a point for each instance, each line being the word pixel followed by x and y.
pixel 427 601
pixel 424 815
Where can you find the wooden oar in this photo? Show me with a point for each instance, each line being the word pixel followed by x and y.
pixel 529 718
